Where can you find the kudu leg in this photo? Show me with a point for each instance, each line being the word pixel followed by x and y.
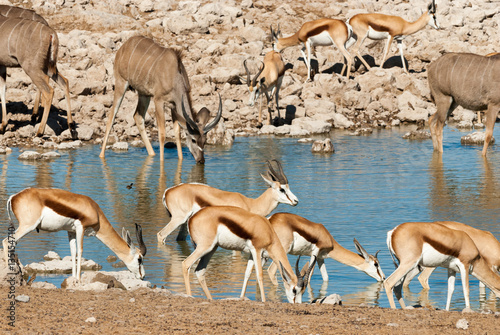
pixel 491 117
pixel 47 96
pixel 160 120
pixel 139 115
pixel 64 84
pixel 3 85
pixel 177 132
pixel 121 87
pixel 445 107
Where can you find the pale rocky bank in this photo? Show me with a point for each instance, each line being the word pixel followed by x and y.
pixel 216 36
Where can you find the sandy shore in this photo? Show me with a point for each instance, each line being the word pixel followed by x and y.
pixel 145 311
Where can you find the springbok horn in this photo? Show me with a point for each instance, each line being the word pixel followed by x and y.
pixel 279 175
pixel 216 120
pixel 254 81
pixel 376 254
pixel 297 272
pixel 248 72
pixel 188 118
pixel 306 276
pixel 138 234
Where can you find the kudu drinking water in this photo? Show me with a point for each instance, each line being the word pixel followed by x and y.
pixel 468 80
pixel 157 72
pixel 33 46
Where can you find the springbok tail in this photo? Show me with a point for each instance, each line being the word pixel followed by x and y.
pixel 9 210
pixel 395 259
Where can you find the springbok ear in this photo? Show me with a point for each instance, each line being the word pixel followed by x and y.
pixel 129 240
pixel 286 276
pixel 267 179
pixel 361 250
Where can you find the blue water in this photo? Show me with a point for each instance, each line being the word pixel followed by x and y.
pixel 367 187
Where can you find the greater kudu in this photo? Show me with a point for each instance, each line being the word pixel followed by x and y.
pixel 33 46
pixel 468 80
pixel 158 72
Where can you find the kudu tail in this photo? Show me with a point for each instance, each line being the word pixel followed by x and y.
pixel 52 54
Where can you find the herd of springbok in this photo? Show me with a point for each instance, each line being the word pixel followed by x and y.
pixel 216 218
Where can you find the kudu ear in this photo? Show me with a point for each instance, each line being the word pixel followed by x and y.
pixel 361 250
pixel 203 116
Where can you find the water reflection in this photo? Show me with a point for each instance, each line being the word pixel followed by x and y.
pixel 370 185
pixel 370 295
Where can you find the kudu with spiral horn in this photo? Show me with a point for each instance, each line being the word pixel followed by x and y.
pixel 157 72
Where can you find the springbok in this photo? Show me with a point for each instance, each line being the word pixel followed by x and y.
pixel 234 228
pixel 300 236
pixel 377 26
pixel 182 201
pixel 431 244
pixel 267 80
pixel 486 243
pixel 468 80
pixel 33 46
pixel 322 32
pixel 22 13
pixel 54 210
pixel 158 72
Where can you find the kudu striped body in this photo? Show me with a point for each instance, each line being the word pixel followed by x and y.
pixel 430 244
pixel 468 80
pixel 300 236
pixel 157 72
pixel 267 81
pixel 54 210
pixel 234 228
pixel 22 13
pixel 182 201
pixel 33 46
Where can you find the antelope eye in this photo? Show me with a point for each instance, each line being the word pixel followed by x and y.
pixel 282 190
pixel 140 260
pixel 193 140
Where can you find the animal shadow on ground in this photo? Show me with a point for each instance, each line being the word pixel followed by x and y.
pixel 395 61
pixel 19 115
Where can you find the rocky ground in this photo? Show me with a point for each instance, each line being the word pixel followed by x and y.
pixel 215 38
